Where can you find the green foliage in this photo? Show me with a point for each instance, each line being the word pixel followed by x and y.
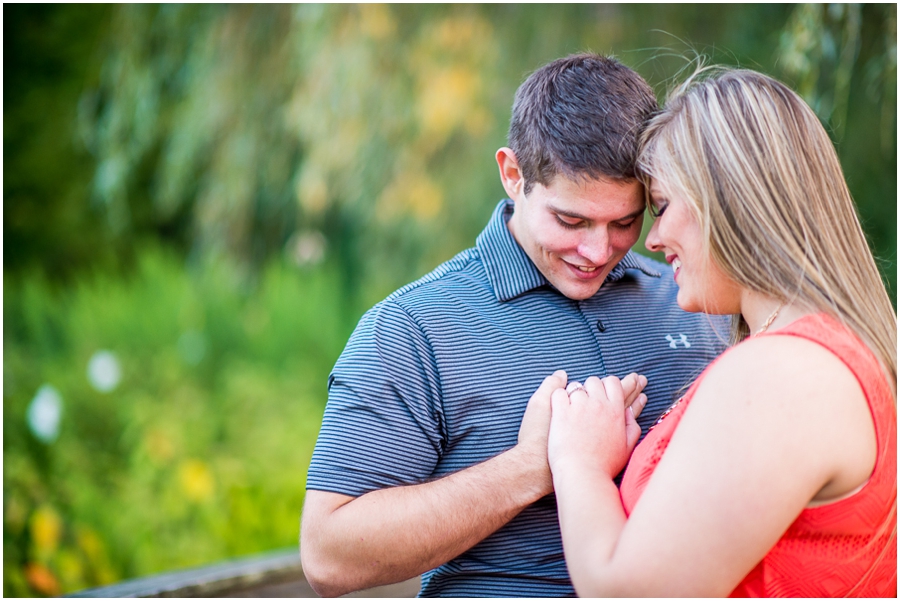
pixel 50 55
pixel 842 58
pixel 199 453
pixel 241 127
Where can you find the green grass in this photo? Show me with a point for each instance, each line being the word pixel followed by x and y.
pixel 201 451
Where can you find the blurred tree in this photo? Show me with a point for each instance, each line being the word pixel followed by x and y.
pixel 842 58
pixel 50 56
pixel 263 122
pixel 244 131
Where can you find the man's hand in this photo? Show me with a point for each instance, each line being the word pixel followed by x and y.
pixel 633 386
pixel 536 426
pixel 392 534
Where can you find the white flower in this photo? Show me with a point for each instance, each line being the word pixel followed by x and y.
pixel 306 248
pixel 103 371
pixel 44 413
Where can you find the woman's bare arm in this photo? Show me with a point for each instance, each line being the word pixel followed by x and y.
pixel 776 424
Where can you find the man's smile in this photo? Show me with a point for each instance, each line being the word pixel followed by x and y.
pixel 584 272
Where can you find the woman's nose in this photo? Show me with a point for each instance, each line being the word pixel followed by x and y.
pixel 652 241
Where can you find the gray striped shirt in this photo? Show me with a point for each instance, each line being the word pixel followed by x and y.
pixel 436 378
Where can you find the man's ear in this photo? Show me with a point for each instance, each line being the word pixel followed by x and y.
pixel 510 174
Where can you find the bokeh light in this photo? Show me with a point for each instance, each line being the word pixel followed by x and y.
pixel 44 413
pixel 103 371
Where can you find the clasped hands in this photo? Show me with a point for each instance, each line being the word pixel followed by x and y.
pixel 592 427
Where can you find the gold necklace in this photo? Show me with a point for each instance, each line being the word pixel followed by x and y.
pixel 769 321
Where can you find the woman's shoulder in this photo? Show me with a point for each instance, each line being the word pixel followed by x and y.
pixel 793 395
pixel 806 361
pixel 814 346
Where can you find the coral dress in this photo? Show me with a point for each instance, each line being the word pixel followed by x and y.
pixel 830 548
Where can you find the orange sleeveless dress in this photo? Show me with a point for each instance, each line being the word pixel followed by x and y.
pixel 847 547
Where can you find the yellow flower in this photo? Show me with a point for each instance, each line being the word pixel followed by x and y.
pixel 46 530
pixel 196 480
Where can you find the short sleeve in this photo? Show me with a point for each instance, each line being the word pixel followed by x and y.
pixel 383 424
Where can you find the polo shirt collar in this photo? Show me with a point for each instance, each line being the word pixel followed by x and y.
pixel 631 260
pixel 511 271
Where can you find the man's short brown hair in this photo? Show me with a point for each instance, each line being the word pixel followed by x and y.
pixel 579 116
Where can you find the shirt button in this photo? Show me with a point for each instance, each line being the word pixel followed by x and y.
pixel 600 326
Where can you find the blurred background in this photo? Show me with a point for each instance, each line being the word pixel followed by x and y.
pixel 200 201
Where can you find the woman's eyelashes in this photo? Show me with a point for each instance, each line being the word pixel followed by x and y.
pixel 656 210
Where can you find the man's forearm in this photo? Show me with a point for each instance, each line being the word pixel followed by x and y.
pixel 393 534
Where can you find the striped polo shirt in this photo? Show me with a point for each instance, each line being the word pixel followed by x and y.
pixel 436 378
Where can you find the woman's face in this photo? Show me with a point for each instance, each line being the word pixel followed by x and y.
pixel 702 285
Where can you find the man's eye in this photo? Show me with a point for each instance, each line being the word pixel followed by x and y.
pixel 625 224
pixel 571 225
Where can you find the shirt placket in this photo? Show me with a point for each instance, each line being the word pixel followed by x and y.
pixel 597 324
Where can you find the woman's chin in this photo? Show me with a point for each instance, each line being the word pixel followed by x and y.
pixel 711 305
pixel 687 303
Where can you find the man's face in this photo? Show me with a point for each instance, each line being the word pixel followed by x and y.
pixel 576 232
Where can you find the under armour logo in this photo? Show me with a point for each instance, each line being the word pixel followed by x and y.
pixel 673 343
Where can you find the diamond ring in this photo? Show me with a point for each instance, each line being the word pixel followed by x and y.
pixel 573 386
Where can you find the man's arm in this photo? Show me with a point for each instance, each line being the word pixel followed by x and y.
pixel 393 534
pixel 389 535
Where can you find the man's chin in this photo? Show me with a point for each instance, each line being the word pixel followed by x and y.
pixel 578 291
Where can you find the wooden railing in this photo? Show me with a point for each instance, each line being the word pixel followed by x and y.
pixel 275 574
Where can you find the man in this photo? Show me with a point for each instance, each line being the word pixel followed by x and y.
pixel 417 467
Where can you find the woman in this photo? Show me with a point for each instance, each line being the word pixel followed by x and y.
pixel 775 475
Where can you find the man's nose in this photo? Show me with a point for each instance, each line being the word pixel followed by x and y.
pixel 595 247
pixel 653 242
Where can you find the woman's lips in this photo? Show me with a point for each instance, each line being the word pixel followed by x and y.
pixel 675 262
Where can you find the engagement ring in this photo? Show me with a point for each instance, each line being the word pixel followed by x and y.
pixel 573 386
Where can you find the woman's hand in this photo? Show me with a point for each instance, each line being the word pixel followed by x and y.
pixel 595 427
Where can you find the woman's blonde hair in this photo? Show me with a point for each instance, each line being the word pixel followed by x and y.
pixel 762 176
pixel 764 181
